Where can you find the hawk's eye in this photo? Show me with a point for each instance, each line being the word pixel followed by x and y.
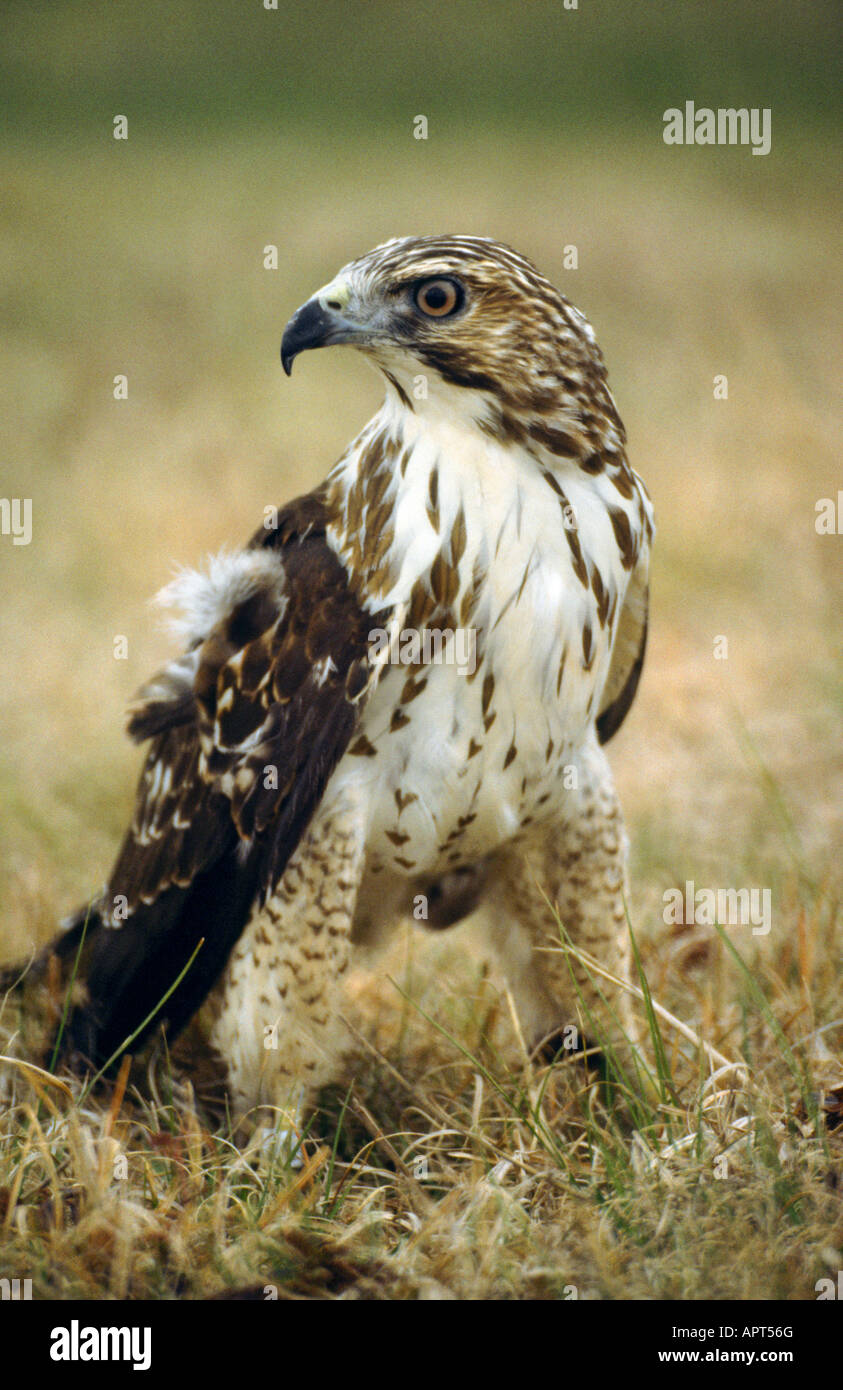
pixel 438 298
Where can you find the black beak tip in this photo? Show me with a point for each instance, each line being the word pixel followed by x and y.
pixel 310 327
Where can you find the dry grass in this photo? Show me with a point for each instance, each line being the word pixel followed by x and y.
pixel 141 261
pixel 448 1166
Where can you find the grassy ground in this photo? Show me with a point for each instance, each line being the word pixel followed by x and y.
pixel 450 1168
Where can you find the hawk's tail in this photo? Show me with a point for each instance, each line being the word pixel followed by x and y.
pixel 158 967
pixel 120 979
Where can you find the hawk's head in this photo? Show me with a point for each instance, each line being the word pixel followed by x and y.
pixel 470 313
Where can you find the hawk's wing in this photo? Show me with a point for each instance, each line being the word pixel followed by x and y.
pixel 628 653
pixel 246 728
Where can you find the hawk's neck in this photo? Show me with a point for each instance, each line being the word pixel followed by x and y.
pixel 428 500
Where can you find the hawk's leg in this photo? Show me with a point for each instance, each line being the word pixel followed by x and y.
pixel 578 868
pixel 279 1024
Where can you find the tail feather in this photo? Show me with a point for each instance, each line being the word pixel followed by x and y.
pixel 129 970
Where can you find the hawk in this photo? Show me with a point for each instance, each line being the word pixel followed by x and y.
pixel 315 763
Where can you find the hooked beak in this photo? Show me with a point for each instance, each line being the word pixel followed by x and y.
pixel 318 323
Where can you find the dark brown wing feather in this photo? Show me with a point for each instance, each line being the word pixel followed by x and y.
pixel 246 729
pixel 628 654
pixel 612 715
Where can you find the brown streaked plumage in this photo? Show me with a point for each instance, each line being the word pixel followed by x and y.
pixel 304 782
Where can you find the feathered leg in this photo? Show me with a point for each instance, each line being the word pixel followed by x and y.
pixel 578 866
pixel 279 1026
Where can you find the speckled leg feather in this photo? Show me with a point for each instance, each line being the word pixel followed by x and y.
pixel 279 1022
pixel 579 866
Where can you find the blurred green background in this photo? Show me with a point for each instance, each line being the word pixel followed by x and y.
pixel 251 127
pixel 337 67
